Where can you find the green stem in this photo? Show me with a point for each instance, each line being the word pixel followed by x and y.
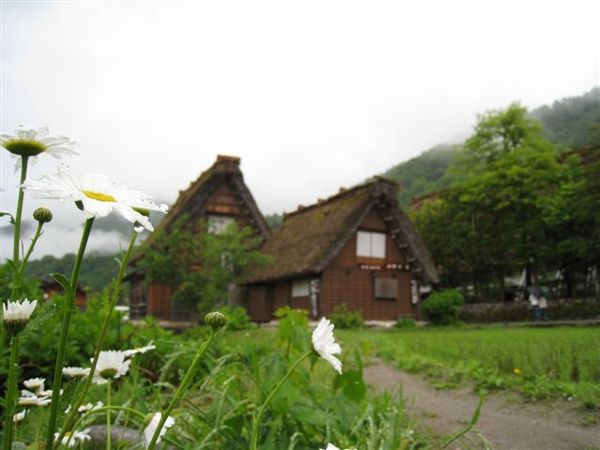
pixel 108 416
pixel 261 411
pixel 62 344
pixel 11 394
pixel 187 380
pixel 67 426
pixel 17 236
pixel 38 233
pixel 21 269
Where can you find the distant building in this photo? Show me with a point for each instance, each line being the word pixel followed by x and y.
pixel 357 247
pixel 417 203
pixel 220 197
pixel 50 288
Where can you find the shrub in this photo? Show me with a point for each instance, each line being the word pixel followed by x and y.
pixel 237 317
pixel 405 322
pixel 442 307
pixel 342 317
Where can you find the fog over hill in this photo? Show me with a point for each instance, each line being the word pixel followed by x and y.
pixel 572 122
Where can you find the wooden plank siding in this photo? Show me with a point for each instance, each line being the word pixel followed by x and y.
pixel 347 280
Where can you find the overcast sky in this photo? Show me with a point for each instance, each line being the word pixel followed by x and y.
pixel 312 95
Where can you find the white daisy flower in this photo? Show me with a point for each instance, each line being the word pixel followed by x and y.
pixel 35 383
pixel 18 310
pixel 325 345
pixel 139 350
pixel 333 447
pixel 71 440
pixel 33 141
pixel 33 401
pixel 15 315
pixel 76 372
pixel 111 364
pixel 90 407
pixel 26 393
pixel 48 393
pixel 95 194
pixel 19 416
pixel 151 428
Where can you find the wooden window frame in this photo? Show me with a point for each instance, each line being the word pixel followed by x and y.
pixel 386 289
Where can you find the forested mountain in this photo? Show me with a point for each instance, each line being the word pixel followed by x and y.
pixel 96 271
pixel 424 174
pixel 572 122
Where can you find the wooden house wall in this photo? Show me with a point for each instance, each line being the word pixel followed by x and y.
pixel 138 299
pixel 259 305
pixel 345 280
pixel 222 201
pixel 159 301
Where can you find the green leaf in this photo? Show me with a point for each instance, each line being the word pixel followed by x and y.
pixel 62 280
pixel 352 384
pixel 11 218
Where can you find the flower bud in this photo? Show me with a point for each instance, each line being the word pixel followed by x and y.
pixel 216 320
pixel 42 215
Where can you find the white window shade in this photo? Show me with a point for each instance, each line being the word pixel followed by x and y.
pixel 301 288
pixel 377 245
pixel 370 244
pixel 363 244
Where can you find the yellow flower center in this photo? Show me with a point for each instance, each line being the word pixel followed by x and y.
pixel 100 196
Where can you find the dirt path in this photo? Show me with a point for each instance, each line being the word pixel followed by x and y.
pixel 506 424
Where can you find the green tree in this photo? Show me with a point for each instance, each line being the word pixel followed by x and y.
pixel 199 265
pixel 491 220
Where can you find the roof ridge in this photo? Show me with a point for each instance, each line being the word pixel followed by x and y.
pixel 369 184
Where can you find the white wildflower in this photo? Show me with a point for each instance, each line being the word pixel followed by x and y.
pixel 33 401
pixel 72 440
pixel 35 383
pixel 151 428
pixel 15 315
pixel 325 345
pixel 111 364
pixel 90 407
pixel 95 194
pixel 139 350
pixel 31 142
pixel 19 416
pixel 76 372
pixel 333 447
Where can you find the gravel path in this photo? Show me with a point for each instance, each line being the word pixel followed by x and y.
pixel 506 424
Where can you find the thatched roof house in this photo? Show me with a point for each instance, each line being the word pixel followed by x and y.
pixel 357 247
pixel 218 197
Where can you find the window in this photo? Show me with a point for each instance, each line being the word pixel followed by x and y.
pixel 370 244
pixel 218 224
pixel 301 288
pixel 386 288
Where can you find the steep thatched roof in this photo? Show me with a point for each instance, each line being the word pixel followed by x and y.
pixel 192 201
pixel 311 237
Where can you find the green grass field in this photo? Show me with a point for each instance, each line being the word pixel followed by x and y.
pixel 539 363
